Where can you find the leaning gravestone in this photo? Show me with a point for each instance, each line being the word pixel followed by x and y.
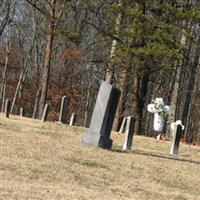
pixel 160 110
pixel 64 110
pixel 177 133
pixel 45 112
pixel 103 115
pixel 127 127
pixel 22 112
pixel 73 120
pixel 7 108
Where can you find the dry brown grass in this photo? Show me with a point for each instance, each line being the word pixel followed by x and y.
pixel 47 161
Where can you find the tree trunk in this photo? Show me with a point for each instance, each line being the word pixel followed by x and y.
pixel 87 105
pixel 135 104
pixel 37 86
pixel 7 19
pixel 122 87
pixel 36 103
pixel 47 61
pixel 190 88
pixel 23 73
pixel 4 76
pixel 144 82
pixel 3 97
pixel 110 72
pixel 175 92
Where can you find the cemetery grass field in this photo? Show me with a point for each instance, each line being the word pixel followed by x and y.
pixel 47 161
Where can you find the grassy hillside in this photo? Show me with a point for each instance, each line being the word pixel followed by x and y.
pixel 47 161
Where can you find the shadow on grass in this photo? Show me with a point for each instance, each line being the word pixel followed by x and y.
pixel 157 155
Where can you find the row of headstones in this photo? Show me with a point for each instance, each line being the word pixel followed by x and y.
pixel 103 115
pixel 8 107
pixel 62 117
pixel 99 131
pixel 127 127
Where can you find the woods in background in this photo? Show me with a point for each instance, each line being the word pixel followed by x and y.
pixel 148 49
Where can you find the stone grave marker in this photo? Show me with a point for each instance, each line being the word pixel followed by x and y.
pixel 160 111
pixel 73 120
pixel 177 132
pixel 7 108
pixel 22 112
pixel 127 127
pixel 98 134
pixel 64 109
pixel 45 112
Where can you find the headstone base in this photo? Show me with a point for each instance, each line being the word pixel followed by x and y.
pixel 105 143
pixel 97 140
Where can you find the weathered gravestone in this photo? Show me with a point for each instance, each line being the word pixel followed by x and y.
pixel 45 112
pixel 7 108
pixel 73 120
pixel 103 116
pixel 177 133
pixel 160 110
pixel 22 112
pixel 64 110
pixel 127 127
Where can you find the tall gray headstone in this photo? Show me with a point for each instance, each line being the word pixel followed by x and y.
pixel 45 112
pixel 64 109
pixel 127 127
pixel 177 133
pixel 7 108
pixel 73 120
pixel 22 112
pixel 103 115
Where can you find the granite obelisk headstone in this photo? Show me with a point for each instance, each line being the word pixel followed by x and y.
pixel 73 120
pixel 7 108
pixel 103 115
pixel 45 112
pixel 128 128
pixel 177 133
pixel 64 109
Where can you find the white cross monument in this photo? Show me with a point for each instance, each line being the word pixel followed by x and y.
pixel 160 110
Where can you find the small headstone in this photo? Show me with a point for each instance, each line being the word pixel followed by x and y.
pixel 103 115
pixel 128 129
pixel 64 110
pixel 73 120
pixel 160 110
pixel 177 133
pixel 7 108
pixel 22 112
pixel 45 112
